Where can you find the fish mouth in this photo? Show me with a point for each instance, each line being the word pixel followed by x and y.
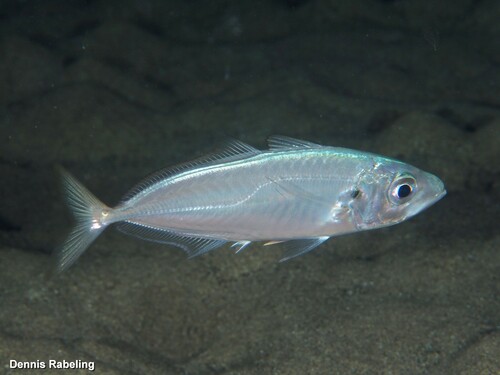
pixel 436 198
pixel 426 203
pixel 441 191
pixel 440 195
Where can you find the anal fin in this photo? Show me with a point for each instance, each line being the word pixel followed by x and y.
pixel 192 245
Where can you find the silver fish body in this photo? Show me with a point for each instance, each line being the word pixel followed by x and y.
pixel 297 192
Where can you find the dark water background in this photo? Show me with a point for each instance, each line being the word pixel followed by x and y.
pixel 114 90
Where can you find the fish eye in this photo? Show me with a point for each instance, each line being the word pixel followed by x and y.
pixel 402 189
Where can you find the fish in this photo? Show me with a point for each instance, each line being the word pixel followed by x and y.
pixel 296 193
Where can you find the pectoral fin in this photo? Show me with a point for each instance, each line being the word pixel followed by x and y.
pixel 288 189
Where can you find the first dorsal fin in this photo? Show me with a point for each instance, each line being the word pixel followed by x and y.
pixel 233 150
pixel 281 143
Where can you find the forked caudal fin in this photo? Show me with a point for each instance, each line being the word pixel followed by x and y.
pixel 89 213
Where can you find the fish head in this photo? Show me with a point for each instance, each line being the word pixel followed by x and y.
pixel 391 191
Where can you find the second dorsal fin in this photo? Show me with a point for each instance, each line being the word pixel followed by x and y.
pixel 233 150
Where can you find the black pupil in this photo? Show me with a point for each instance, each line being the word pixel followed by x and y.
pixel 404 191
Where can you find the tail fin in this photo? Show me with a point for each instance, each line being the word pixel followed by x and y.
pixel 89 213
